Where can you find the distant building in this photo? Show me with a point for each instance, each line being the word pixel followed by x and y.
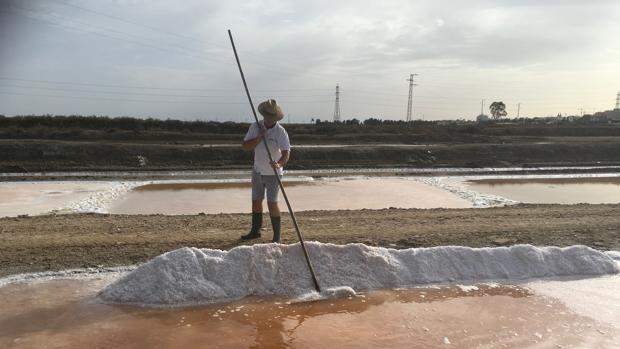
pixel 609 116
pixel 482 118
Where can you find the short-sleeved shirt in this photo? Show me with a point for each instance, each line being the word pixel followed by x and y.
pixel 277 141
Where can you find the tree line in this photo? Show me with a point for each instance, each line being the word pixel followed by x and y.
pixel 119 123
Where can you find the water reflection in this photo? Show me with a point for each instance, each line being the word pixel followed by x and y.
pixel 359 193
pixel 63 314
pixel 591 190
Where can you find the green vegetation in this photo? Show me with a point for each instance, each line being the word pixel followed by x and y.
pixel 498 110
pixel 373 130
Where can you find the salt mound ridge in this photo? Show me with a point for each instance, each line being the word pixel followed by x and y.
pixel 190 276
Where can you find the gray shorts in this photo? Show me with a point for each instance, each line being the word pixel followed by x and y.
pixel 261 183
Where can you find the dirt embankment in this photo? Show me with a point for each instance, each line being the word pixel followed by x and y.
pixel 45 155
pixel 58 242
pixel 32 144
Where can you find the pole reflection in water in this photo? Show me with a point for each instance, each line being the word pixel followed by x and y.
pixel 64 313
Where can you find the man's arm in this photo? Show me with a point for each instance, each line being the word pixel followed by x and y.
pixel 250 144
pixel 285 145
pixel 284 158
pixel 282 161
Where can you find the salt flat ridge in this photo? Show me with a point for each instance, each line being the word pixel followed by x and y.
pixel 189 276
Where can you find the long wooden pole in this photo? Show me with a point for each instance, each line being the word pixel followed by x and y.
pixel 275 171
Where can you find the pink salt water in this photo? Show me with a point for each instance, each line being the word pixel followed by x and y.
pixel 34 198
pixel 64 314
pixel 591 190
pixel 375 193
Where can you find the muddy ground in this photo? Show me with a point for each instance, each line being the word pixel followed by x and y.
pixel 55 242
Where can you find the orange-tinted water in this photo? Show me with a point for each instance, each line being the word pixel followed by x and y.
pixel 63 314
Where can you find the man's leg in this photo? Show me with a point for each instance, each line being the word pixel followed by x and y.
pixel 271 183
pixel 274 209
pixel 257 206
pixel 274 214
pixel 258 193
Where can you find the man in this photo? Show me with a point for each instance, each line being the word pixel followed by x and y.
pixel 263 176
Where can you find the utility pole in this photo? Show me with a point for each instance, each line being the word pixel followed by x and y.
pixel 518 110
pixel 482 107
pixel 410 102
pixel 337 105
pixel 618 101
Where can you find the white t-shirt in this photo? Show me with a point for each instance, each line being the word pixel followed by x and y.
pixel 277 141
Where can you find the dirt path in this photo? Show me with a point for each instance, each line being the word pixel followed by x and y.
pixel 58 242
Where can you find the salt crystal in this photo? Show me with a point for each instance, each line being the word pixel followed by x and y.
pixel 190 276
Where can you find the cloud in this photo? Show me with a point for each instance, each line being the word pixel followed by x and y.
pixel 293 45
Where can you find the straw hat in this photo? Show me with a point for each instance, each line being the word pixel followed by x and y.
pixel 270 110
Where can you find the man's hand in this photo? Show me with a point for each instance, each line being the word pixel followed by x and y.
pixel 282 161
pixel 252 143
pixel 262 131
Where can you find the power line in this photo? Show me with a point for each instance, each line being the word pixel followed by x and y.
pixel 421 107
pixel 187 52
pixel 456 109
pixel 266 66
pixel 52 23
pixel 423 102
pixel 56 82
pixel 142 100
pixel 450 97
pixel 373 93
pixel 65 3
pixel 49 13
pixel 112 99
pixel 200 57
pixel 142 94
pixel 115 92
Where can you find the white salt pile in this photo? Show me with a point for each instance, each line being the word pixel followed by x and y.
pixel 189 276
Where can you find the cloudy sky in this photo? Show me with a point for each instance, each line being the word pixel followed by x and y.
pixel 173 59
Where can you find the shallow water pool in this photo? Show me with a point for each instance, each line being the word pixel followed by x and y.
pixel 341 194
pixel 64 313
pixel 591 190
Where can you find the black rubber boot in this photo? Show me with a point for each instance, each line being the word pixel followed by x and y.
pixel 257 224
pixel 275 224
